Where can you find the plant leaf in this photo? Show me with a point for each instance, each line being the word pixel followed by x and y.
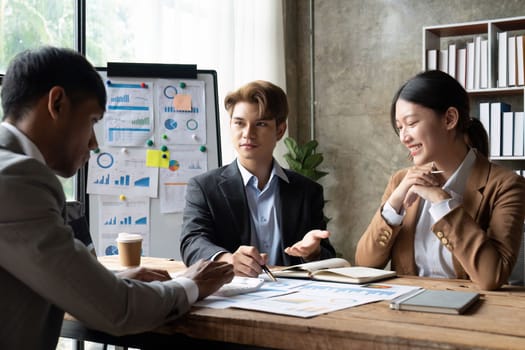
pixel 292 163
pixel 313 160
pixel 310 146
pixel 291 145
pixel 316 175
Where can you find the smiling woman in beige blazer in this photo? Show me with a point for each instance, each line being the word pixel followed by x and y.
pixel 454 214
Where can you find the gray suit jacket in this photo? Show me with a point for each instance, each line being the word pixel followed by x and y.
pixel 44 270
pixel 217 216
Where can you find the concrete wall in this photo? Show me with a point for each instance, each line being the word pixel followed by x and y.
pixel 363 51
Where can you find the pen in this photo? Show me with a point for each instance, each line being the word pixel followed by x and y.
pixel 435 171
pixel 269 273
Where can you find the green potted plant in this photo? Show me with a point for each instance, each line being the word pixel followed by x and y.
pixel 304 159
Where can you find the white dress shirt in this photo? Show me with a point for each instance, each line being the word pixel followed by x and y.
pixel 29 148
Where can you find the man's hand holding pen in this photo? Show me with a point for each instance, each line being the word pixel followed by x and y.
pixel 246 260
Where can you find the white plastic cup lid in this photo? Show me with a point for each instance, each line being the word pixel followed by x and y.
pixel 128 237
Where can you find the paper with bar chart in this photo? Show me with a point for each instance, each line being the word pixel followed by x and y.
pixel 129 120
pixel 186 161
pixel 122 172
pixel 181 111
pixel 131 215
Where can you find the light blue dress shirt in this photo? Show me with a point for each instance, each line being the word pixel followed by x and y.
pixel 265 212
pixel 432 258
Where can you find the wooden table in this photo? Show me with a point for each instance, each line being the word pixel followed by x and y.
pixel 496 322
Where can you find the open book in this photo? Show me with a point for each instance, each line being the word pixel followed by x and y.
pixel 334 270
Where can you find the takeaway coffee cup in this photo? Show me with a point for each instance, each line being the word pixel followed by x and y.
pixel 129 249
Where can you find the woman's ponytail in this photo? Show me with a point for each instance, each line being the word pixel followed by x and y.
pixel 477 136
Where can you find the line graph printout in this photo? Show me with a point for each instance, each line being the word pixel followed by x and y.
pixel 129 117
pixel 308 298
pixel 185 162
pixel 306 305
pixel 131 215
pixel 318 298
pixel 383 291
pixel 181 111
pixel 116 171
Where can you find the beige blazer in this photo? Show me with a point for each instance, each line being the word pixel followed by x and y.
pixel 483 234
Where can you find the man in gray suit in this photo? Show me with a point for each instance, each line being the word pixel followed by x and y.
pixel 253 212
pixel 51 100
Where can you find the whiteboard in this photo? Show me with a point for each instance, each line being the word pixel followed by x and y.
pixel 164 229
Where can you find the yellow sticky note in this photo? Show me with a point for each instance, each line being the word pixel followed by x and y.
pixel 164 159
pixel 182 102
pixel 153 158
pixel 157 159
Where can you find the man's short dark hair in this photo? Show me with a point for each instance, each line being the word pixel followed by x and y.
pixel 32 73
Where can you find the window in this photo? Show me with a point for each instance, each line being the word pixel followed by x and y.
pixel 30 23
pixel 242 40
pixel 155 31
pixel 27 24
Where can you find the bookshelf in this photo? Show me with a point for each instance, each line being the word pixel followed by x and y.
pixel 497 88
pixel 497 84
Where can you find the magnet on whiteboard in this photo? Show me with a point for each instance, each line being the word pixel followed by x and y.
pixel 122 197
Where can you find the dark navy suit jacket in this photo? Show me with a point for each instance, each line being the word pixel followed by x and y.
pixel 217 217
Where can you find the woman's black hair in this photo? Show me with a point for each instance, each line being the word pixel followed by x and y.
pixel 438 91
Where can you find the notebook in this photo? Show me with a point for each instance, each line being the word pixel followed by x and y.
pixel 437 301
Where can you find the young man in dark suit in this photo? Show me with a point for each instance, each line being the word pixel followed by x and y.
pixel 252 212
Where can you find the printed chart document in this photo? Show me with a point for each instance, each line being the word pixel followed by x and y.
pixel 334 270
pixel 267 290
pixel 306 298
pixel 128 120
pixel 316 298
pixel 240 285
pixel 437 301
pixel 306 304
